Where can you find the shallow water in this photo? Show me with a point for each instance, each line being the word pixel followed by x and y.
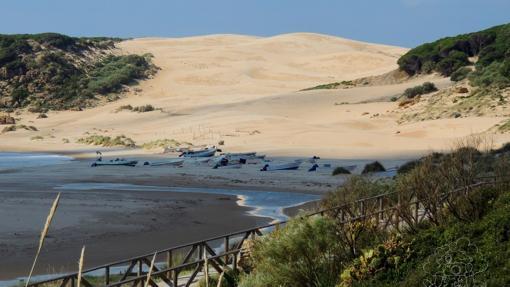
pixel 264 203
pixel 10 160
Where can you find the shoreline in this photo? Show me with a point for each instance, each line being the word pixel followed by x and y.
pixel 114 223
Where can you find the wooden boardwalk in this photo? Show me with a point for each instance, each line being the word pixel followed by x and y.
pixel 185 263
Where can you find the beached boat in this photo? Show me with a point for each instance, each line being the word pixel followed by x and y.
pixel 172 162
pixel 285 166
pixel 208 152
pixel 241 154
pixel 116 162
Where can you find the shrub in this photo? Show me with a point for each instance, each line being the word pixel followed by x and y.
pixel 449 56
pixel 425 88
pixel 230 279
pixel 305 253
pixel 124 108
pixel 354 236
pixel 460 74
pixel 144 109
pixel 373 167
pixel 19 96
pixel 407 167
pixel 107 141
pixel 54 67
pixel 340 170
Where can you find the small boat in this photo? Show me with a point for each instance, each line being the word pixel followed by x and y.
pixel 241 155
pixel 208 152
pixel 116 162
pixel 285 166
pixel 172 162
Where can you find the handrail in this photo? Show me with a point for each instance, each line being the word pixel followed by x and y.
pixel 240 233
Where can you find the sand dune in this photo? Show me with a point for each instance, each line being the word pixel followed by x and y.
pixel 245 90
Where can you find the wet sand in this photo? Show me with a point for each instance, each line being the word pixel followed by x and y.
pixel 117 224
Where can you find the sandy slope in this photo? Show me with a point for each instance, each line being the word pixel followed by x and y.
pixel 244 90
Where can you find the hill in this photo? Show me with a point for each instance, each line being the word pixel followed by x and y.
pixel 245 91
pixel 53 71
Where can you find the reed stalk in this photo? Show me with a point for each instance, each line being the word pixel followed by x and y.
pixel 149 274
pixel 80 266
pixel 43 236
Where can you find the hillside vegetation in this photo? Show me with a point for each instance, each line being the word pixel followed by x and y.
pixel 53 71
pixel 488 50
pixel 464 242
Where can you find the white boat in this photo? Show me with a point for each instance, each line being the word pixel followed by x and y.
pixel 116 162
pixel 172 162
pixel 208 152
pixel 284 166
pixel 242 154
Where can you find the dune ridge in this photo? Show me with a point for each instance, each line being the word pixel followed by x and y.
pixel 244 90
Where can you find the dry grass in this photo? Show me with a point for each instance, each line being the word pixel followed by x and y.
pixel 80 266
pixel 44 233
pixel 149 274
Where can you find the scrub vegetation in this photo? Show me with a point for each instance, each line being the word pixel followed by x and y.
pixel 54 72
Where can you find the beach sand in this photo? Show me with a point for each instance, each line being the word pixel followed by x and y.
pixel 242 90
pixel 245 91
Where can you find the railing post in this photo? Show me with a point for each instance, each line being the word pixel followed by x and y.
pixel 227 247
pixel 169 262
pixel 234 261
pixel 107 275
pixel 176 278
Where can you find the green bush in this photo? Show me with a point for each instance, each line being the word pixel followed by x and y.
pixel 460 74
pixel 373 167
pixel 425 88
pixel 449 55
pixel 492 75
pixel 407 167
pixel 478 249
pixel 230 279
pixel 304 253
pixel 340 170
pixel 115 71
pixel 59 74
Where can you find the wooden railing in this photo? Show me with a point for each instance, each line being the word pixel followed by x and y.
pixel 190 259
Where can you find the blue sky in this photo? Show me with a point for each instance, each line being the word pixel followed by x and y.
pixel 397 22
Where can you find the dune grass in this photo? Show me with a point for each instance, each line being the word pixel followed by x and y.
pixel 107 141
